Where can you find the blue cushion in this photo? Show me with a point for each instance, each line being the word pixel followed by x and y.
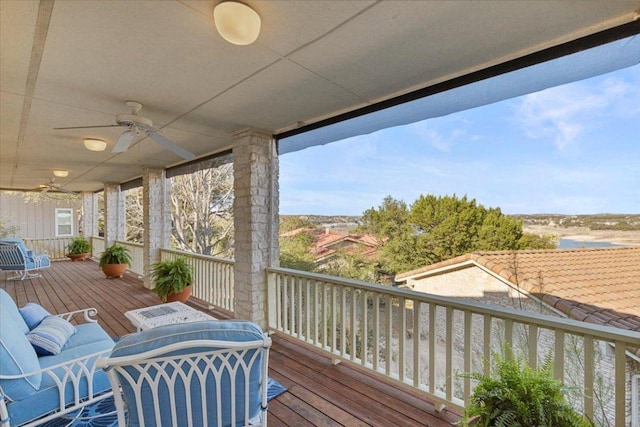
pixel 33 314
pixel 51 335
pixel 89 338
pixel 9 309
pixel 150 339
pixel 17 356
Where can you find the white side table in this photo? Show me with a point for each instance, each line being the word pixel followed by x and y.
pixel 165 314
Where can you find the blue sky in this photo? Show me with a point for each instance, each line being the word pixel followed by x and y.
pixel 572 149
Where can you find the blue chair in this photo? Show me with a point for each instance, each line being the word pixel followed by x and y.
pixel 14 256
pixel 211 373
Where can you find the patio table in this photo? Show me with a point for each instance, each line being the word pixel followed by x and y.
pixel 165 314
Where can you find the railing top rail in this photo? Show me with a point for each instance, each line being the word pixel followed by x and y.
pixel 124 242
pixel 608 333
pixel 199 256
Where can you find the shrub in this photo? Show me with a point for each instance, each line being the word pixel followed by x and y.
pixel 515 395
pixel 79 245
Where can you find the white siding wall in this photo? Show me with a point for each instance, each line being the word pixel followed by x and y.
pixel 35 220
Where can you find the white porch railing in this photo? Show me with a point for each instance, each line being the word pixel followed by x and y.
pixel 425 341
pixel 212 277
pixel 97 246
pixel 55 248
pixel 136 250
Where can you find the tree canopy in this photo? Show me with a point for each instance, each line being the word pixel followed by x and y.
pixel 436 228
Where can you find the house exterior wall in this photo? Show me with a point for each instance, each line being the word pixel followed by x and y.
pixel 474 284
pixel 36 219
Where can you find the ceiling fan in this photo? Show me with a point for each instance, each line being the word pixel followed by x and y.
pixel 53 187
pixel 136 126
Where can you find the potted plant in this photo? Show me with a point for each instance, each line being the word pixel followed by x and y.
pixel 517 395
pixel 78 249
pixel 172 280
pixel 115 260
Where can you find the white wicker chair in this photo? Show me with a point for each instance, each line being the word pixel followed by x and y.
pixel 197 374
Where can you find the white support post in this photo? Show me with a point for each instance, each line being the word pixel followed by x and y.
pixel 255 168
pixel 156 218
pixel 114 214
pixel 89 214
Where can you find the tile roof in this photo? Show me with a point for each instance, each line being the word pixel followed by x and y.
pixel 598 285
pixel 326 242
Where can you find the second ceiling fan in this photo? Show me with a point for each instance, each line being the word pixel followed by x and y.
pixel 136 126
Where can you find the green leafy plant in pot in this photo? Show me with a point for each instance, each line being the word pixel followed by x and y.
pixel 515 395
pixel 78 249
pixel 115 260
pixel 172 280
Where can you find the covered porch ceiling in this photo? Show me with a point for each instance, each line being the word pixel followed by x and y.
pixel 76 63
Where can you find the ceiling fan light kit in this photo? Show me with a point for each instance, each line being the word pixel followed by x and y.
pixel 135 126
pixel 62 173
pixel 236 22
pixel 95 144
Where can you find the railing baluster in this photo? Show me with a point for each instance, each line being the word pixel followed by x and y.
pixel 620 382
pixel 558 356
pixel 432 347
pixel 376 330
pixel 334 319
pixel 353 325
pixel 487 326
pixel 416 343
pixel 533 346
pixel 467 354
pixel 402 338
pixel 364 327
pixel 388 331
pixel 449 355
pixel 588 376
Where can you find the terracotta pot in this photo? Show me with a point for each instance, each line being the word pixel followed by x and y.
pixel 78 257
pixel 180 296
pixel 114 270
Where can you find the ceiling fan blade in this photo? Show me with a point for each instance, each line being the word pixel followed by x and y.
pixel 124 142
pixel 170 145
pixel 87 127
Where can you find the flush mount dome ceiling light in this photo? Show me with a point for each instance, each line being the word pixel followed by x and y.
pixel 95 144
pixel 236 22
pixel 62 173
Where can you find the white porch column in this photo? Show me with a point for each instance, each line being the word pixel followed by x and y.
pixel 255 171
pixel 89 214
pixel 156 218
pixel 114 214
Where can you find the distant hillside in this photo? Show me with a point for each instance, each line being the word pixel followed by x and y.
pixel 329 221
pixel 619 222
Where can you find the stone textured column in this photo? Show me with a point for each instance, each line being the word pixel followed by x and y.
pixel 114 214
pixel 255 170
pixel 89 214
pixel 156 218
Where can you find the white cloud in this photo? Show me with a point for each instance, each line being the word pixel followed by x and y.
pixel 565 113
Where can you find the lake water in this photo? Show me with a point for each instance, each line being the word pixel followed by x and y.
pixel 569 244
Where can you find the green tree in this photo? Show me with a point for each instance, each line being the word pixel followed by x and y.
pixel 436 228
pixel 295 251
pixel 535 241
pixel 351 265
pixel 290 223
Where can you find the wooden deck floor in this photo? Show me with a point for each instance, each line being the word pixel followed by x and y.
pixel 320 394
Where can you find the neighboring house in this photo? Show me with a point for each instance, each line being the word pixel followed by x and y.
pixel 599 285
pixel 45 218
pixel 328 243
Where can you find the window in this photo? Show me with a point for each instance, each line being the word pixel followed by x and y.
pixel 64 222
